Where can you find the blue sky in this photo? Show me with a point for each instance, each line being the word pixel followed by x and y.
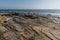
pixel 30 4
pixel 50 4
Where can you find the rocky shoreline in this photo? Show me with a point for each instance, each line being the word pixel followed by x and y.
pixel 15 26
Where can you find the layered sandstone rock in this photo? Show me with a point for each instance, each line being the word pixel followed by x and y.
pixel 28 28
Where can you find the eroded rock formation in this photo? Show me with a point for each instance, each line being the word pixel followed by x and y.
pixel 28 28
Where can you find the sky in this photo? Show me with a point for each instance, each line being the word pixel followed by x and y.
pixel 29 4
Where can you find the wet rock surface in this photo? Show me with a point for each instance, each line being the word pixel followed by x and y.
pixel 28 27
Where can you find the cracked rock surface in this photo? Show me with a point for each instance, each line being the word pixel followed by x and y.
pixel 28 27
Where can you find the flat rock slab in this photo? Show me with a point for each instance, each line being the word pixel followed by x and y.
pixel 55 33
pixel 11 36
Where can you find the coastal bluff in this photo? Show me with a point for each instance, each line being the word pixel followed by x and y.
pixel 19 26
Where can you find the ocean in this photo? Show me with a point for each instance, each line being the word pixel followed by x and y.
pixel 34 11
